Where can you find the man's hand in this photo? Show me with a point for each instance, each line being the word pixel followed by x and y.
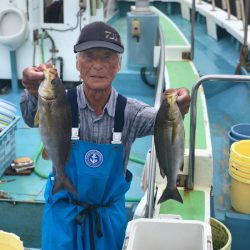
pixel 33 76
pixel 183 99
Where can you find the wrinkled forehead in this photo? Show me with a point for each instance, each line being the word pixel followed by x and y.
pixel 99 51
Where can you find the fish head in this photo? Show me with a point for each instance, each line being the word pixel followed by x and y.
pixel 171 97
pixel 47 89
pixel 171 106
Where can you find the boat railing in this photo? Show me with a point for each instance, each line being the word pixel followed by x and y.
pixel 152 164
pixel 237 8
pixel 193 112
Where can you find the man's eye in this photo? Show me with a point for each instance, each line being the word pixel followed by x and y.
pixel 107 57
pixel 88 57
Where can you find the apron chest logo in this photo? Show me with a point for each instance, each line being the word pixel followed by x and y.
pixel 93 158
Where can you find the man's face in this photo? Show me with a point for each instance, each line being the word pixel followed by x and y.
pixel 98 67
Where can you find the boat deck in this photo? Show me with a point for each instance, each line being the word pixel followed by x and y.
pixel 26 192
pixel 182 72
pixel 193 207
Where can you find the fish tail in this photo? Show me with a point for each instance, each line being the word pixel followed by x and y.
pixel 62 182
pixel 170 193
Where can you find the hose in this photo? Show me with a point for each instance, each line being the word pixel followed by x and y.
pixel 144 78
pixel 137 160
pixel 60 59
pixel 42 47
pixel 133 199
pixel 34 54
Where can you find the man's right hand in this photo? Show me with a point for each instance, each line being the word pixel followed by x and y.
pixel 33 76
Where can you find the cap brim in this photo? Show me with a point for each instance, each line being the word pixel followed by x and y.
pixel 97 44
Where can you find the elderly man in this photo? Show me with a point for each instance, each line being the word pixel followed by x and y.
pixel 102 114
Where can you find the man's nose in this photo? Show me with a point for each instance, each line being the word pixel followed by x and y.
pixel 98 62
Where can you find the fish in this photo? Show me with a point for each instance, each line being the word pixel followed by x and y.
pixel 55 122
pixel 169 137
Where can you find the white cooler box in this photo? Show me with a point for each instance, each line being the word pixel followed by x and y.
pixel 167 234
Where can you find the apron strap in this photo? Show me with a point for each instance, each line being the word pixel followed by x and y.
pixel 72 97
pixel 121 102
pixel 93 214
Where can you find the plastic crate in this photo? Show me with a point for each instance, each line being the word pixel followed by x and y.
pixel 8 145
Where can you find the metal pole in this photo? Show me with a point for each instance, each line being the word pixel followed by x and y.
pixel 192 29
pixel 242 12
pixel 228 10
pixel 213 5
pixel 92 8
pixel 14 80
pixel 152 165
pixel 246 22
pixel 151 183
pixel 98 4
pixel 142 4
pixel 224 4
pixel 193 111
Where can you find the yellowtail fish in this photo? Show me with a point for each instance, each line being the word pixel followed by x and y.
pixel 54 117
pixel 169 145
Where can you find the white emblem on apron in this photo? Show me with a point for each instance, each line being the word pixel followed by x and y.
pixel 93 158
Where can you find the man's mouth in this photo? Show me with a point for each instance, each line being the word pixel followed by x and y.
pixel 98 77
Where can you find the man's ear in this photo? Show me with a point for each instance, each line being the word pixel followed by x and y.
pixel 77 63
pixel 119 64
pixel 118 67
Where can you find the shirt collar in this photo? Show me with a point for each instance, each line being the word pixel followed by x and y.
pixel 110 105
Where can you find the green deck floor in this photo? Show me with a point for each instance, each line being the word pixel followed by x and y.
pixel 171 35
pixel 182 73
pixel 193 207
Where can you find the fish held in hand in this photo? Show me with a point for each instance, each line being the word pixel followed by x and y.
pixel 54 117
pixel 169 145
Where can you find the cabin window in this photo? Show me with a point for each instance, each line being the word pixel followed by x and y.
pixel 53 11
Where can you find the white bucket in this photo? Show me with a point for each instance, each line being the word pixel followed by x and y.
pixel 161 234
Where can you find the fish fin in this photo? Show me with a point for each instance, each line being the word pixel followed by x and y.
pixel 36 119
pixel 48 119
pixel 62 182
pixel 45 154
pixel 182 165
pixel 174 132
pixel 170 193
pixel 162 173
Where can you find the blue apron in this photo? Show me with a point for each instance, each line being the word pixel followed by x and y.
pixel 95 219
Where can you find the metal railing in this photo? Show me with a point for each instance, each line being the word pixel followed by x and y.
pixel 152 163
pixel 193 111
pixel 239 7
pixel 192 29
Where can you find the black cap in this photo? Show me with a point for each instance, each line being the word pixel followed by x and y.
pixel 99 35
